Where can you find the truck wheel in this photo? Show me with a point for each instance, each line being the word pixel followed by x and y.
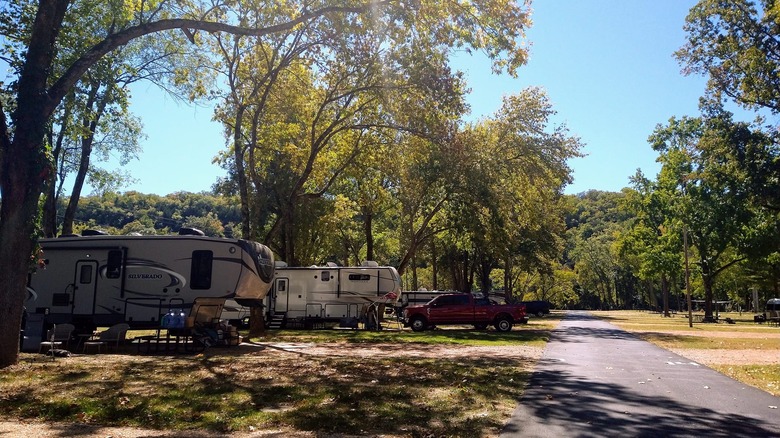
pixel 504 324
pixel 417 324
pixel 480 326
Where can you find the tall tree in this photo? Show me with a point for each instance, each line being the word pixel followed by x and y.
pixel 24 164
pixel 737 45
pixel 715 206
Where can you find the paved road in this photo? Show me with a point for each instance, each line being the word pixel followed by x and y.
pixel 596 380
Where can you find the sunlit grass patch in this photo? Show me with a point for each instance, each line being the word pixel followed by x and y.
pixel 533 334
pixel 668 340
pixel 766 377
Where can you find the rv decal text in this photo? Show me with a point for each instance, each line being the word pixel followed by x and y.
pixel 145 276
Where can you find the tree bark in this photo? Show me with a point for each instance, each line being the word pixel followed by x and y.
pixel 25 168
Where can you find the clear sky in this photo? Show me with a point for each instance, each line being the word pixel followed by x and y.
pixel 607 66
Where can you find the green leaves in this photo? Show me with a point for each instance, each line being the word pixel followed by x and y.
pixel 737 45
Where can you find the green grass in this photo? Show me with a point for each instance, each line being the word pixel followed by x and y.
pixel 766 377
pixel 526 335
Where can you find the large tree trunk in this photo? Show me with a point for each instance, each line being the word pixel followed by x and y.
pixel 25 167
pixel 708 280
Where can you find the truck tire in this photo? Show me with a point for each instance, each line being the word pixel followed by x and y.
pixel 503 324
pixel 418 324
pixel 480 326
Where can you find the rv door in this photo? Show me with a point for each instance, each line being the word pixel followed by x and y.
pixel 281 298
pixel 85 286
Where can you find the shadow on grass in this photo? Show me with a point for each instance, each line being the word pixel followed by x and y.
pixel 224 393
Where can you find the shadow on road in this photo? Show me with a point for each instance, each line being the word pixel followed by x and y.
pixel 606 409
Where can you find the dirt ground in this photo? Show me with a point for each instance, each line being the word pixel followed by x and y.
pixel 714 356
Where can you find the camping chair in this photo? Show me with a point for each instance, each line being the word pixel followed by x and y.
pixel 111 337
pixel 58 335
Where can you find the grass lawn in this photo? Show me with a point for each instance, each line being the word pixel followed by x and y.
pixel 246 389
pixel 745 351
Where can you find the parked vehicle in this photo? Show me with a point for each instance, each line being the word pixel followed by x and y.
pixel 418 297
pixel 772 313
pixel 100 280
pixel 463 308
pixel 314 295
pixel 538 308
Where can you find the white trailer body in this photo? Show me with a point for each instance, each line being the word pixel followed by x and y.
pixel 102 280
pixel 330 293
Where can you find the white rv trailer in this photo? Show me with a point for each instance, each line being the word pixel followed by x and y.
pixel 314 294
pixel 100 280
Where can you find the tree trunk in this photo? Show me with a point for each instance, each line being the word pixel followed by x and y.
pixel 25 167
pixel 87 141
pixel 665 292
pixel 708 280
pixel 243 186
pixel 434 265
pixel 368 230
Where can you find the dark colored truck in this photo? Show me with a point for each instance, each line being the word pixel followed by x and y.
pixel 463 309
pixel 538 308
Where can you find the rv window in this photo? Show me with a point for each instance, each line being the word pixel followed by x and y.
pixel 359 277
pixel 281 286
pixel 114 264
pixel 200 275
pixel 325 275
pixel 85 275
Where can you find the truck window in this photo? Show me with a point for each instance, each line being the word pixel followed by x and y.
pixel 200 274
pixel 482 302
pixel 114 264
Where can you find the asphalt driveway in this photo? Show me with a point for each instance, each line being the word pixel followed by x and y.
pixel 596 380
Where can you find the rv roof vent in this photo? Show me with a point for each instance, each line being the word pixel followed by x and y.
pixel 94 233
pixel 370 263
pixel 187 231
pixel 331 265
pixel 280 264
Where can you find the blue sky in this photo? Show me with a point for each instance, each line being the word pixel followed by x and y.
pixel 606 65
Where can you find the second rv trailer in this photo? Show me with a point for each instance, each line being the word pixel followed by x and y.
pixel 100 280
pixel 302 295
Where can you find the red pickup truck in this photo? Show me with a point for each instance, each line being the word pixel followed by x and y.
pixel 463 309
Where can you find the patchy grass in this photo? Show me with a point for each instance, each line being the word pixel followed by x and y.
pixel 744 350
pixel 256 388
pixel 535 333
pixel 669 340
pixel 766 377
